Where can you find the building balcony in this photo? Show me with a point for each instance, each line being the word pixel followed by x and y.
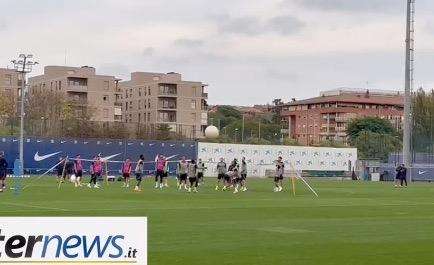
pixel 205 95
pixel 78 102
pixel 166 107
pixel 76 88
pixel 341 129
pixel 118 104
pixel 167 94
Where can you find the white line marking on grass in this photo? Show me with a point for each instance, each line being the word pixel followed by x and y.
pixel 35 206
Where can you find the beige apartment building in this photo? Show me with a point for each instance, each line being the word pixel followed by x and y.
pixel 84 89
pixel 158 98
pixel 10 82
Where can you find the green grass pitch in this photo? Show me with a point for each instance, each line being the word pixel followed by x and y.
pixel 350 223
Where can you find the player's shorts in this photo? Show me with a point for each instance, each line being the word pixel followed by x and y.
pixel 165 174
pixel 221 176
pixel 2 174
pixel 192 179
pixel 97 175
pixel 126 175
pixel 200 175
pixel 243 176
pixel 139 176
pixel 159 173
pixel 183 177
pixel 278 178
pixel 79 174
pixel 227 177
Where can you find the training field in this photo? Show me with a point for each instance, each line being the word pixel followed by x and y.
pixel 350 223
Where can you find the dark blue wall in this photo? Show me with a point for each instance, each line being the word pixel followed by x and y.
pixel 88 148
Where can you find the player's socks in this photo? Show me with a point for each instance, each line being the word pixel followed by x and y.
pixel 156 185
pixel 195 189
pixel 216 187
pixel 236 190
pixel 224 188
pixel 96 186
pixel 189 189
pixel 89 186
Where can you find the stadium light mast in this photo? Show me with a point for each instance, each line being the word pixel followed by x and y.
pixel 23 65
pixel 409 77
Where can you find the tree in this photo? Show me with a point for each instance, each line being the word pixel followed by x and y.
pixel 423 121
pixel 8 110
pixel 376 146
pixel 369 124
pixel 163 132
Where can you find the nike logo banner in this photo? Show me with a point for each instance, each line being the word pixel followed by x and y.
pixel 38 157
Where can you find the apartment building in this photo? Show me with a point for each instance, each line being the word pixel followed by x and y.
pixel 157 98
pixel 84 90
pixel 10 82
pixel 314 120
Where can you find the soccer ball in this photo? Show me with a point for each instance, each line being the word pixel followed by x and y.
pixel 211 132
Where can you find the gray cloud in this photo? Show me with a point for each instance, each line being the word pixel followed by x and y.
pixel 241 25
pixel 350 5
pixel 3 25
pixel 284 25
pixel 148 51
pixel 188 43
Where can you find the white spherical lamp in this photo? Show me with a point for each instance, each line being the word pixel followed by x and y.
pixel 211 132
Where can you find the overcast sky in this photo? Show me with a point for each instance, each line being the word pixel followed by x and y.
pixel 248 51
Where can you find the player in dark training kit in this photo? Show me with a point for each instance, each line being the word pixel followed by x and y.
pixel 200 171
pixel 3 171
pixel 182 173
pixel 221 172
pixel 280 171
pixel 241 178
pixel 139 172
pixel 192 177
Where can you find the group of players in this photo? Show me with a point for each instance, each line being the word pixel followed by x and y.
pixel 190 174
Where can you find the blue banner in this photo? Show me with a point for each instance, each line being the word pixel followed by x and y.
pixel 40 154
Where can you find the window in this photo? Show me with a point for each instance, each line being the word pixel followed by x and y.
pixel 193 104
pixel 149 91
pixel 149 116
pixel 193 117
pixel 106 113
pixel 105 98
pixel 140 105
pixel 131 105
pixel 140 118
pixel 167 116
pixel 8 79
pixel 106 85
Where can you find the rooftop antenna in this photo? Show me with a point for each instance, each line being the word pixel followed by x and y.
pixel 409 80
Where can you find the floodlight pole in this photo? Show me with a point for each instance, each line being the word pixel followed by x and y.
pixel 409 67
pixel 23 65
